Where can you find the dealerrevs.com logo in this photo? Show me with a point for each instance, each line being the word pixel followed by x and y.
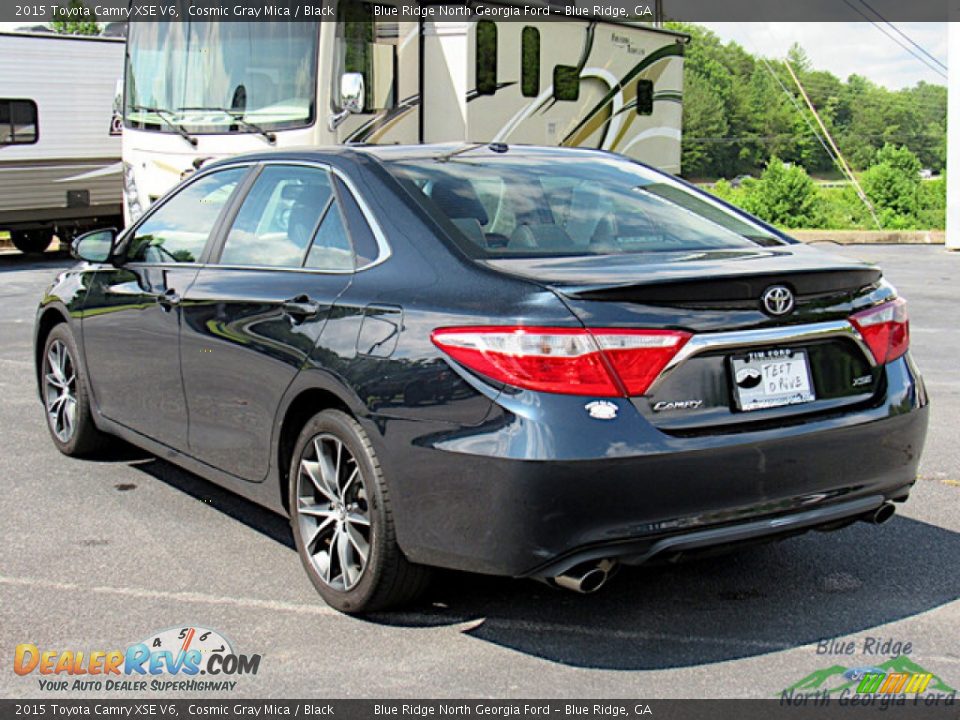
pixel 167 661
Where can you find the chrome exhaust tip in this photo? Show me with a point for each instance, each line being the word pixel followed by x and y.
pixel 882 514
pixel 587 577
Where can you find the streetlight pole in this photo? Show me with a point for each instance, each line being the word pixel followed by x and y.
pixel 953 136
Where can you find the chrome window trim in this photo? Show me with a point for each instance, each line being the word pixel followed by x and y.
pixel 384 250
pixel 706 342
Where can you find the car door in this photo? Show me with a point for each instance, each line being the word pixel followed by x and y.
pixel 131 318
pixel 254 314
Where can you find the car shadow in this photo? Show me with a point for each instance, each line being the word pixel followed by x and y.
pixel 757 600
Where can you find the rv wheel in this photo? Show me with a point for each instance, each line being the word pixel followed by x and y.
pixel 31 241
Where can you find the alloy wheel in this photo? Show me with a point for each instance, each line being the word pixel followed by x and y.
pixel 333 515
pixel 60 391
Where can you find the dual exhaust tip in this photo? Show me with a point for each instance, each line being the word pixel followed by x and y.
pixel 588 577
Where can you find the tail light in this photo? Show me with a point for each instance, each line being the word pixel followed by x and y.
pixel 601 363
pixel 886 329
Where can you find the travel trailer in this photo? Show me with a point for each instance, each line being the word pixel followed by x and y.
pixel 60 170
pixel 196 90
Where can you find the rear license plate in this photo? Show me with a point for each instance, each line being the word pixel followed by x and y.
pixel 771 378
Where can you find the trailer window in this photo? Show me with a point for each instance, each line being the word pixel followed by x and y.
pixel 644 97
pixel 18 122
pixel 530 62
pixel 486 64
pixel 566 83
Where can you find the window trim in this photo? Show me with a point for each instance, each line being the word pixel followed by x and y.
pixel 383 247
pixel 218 234
pixel 36 121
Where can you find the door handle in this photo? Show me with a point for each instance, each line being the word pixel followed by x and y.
pixel 301 307
pixel 168 299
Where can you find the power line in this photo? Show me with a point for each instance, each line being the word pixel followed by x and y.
pixel 800 110
pixel 903 34
pixel 891 37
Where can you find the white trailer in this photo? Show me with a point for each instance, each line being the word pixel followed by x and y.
pixel 60 169
pixel 201 89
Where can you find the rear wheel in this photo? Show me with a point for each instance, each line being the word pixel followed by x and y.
pixel 342 520
pixel 66 397
pixel 31 241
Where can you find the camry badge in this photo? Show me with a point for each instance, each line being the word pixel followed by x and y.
pixel 602 410
pixel 777 300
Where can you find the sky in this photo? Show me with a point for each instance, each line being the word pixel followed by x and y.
pixel 841 48
pixel 847 48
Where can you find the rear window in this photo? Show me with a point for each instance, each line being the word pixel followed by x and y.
pixel 505 204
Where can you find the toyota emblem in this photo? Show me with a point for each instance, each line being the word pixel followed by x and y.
pixel 777 300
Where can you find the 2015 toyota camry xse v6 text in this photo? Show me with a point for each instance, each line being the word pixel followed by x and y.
pixel 510 360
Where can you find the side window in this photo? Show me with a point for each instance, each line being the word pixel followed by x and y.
pixel 365 246
pixel 18 122
pixel 369 47
pixel 566 83
pixel 178 231
pixel 530 62
pixel 486 61
pixel 278 217
pixel 644 97
pixel 331 249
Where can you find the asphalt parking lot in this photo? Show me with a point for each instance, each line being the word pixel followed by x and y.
pixel 98 555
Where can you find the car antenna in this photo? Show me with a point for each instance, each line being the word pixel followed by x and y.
pixel 459 151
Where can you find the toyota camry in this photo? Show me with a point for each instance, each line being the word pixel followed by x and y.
pixel 530 362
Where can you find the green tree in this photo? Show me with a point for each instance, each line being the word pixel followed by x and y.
pixel 893 185
pixel 86 26
pixel 784 195
pixel 704 124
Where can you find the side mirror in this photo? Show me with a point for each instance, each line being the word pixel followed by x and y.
pixel 96 246
pixel 352 92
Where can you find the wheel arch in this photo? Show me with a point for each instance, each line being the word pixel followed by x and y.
pixel 49 318
pixel 303 402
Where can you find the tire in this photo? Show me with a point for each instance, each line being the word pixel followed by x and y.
pixel 328 523
pixel 31 242
pixel 73 431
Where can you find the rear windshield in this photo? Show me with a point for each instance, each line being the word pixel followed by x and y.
pixel 503 205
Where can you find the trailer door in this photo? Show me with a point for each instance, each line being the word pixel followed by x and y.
pixel 387 53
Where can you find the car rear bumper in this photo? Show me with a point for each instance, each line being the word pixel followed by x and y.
pixel 536 489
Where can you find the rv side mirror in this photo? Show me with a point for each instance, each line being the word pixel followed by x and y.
pixel 352 92
pixel 95 246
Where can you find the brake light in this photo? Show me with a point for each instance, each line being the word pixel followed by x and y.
pixel 885 329
pixel 569 361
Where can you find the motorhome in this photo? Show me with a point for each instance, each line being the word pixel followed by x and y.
pixel 60 169
pixel 204 89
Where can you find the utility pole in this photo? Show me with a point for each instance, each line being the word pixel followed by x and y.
pixel 843 163
pixel 953 136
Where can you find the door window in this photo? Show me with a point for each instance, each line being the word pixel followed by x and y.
pixel 279 217
pixel 179 229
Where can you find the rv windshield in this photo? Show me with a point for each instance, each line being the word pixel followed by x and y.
pixel 217 77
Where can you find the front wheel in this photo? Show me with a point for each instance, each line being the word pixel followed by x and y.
pixel 342 521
